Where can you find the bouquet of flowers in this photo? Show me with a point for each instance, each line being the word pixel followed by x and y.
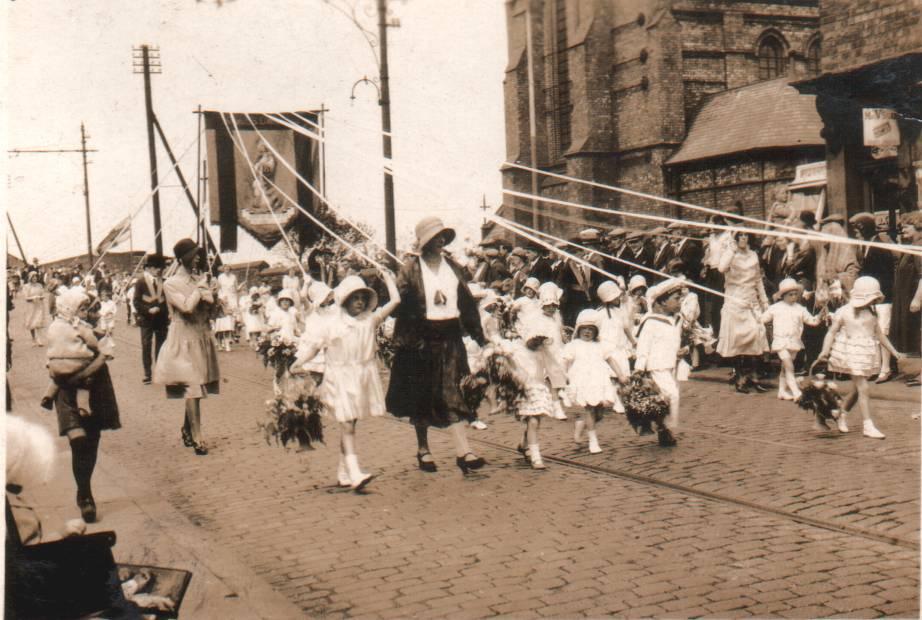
pixel 644 404
pixel 297 420
pixel 276 352
pixel 820 397
pixel 497 368
pixel 506 319
pixel 384 339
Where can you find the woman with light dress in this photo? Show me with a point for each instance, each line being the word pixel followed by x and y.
pixel 742 335
pixel 188 361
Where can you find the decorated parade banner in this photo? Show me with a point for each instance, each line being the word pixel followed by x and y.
pixel 249 190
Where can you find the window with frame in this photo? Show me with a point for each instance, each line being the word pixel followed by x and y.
pixel 813 57
pixel 771 58
pixel 561 107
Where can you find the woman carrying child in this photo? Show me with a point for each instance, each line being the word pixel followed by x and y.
pixel 84 398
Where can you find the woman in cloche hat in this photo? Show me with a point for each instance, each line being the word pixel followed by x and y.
pixel 435 312
pixel 188 362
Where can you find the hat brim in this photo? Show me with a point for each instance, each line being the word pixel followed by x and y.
pixel 373 297
pixel 426 239
pixel 866 300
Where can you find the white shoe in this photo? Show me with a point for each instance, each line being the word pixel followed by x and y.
pixel 578 429
pixel 842 424
pixel 558 411
pixel 342 474
pixel 871 431
pixel 594 447
pixel 535 453
pixel 478 425
pixel 785 396
pixel 358 479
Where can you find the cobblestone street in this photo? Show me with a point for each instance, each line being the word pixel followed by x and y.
pixel 752 514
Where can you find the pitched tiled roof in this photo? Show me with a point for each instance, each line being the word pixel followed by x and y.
pixel 770 114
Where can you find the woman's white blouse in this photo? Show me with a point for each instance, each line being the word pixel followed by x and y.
pixel 443 280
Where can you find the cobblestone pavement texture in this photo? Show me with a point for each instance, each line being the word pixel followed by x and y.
pixel 752 514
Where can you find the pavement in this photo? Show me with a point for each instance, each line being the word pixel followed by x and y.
pixel 752 514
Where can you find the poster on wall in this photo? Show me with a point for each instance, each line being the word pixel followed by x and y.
pixel 251 176
pixel 881 132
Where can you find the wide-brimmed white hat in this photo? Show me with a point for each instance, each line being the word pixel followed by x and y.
pixel 865 292
pixel 636 282
pixel 532 283
pixel 787 285
pixel 286 294
pixel 429 227
pixel 609 291
pixel 318 292
pixel 549 294
pixel 587 318
pixel 354 284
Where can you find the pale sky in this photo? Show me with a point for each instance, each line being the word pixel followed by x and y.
pixel 69 62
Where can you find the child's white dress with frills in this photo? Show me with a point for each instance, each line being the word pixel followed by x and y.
pixel 351 387
pixel 856 349
pixel 590 376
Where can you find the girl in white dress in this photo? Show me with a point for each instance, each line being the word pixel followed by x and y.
pixel 351 387
pixel 591 364
pixel 253 321
pixel 788 318
pixel 284 319
pixel 531 357
pixel 852 346
pixel 550 323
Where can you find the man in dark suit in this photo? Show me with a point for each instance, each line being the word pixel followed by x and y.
pixel 537 264
pixel 663 249
pixel 688 249
pixel 150 303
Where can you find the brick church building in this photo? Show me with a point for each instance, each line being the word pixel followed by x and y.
pixel 685 98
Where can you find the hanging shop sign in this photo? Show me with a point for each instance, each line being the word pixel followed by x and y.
pixel 881 132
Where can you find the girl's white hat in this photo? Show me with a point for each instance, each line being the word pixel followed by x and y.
pixel 318 292
pixel 286 294
pixel 549 294
pixel 865 292
pixel 787 285
pixel 609 291
pixel 354 284
pixel 587 318
pixel 69 302
pixel 477 290
pixel 636 282
pixel 532 283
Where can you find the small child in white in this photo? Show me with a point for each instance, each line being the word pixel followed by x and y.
pixel 852 346
pixel 528 302
pixel 659 339
pixel 108 309
pixel 285 319
pixel 351 387
pixel 788 318
pixel 549 322
pixel 531 357
pixel 591 364
pixel 636 304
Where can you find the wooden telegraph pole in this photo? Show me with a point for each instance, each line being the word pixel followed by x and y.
pixel 149 59
pixel 390 228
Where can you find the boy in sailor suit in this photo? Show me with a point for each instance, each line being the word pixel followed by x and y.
pixel 659 339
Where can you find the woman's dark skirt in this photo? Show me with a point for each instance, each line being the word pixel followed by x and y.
pixel 103 406
pixel 425 384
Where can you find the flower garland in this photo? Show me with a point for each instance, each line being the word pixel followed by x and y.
pixel 385 346
pixel 498 368
pixel 644 404
pixel 298 420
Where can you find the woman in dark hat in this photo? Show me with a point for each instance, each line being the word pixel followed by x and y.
pixel 188 362
pixel 435 311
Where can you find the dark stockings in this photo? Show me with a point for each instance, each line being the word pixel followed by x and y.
pixel 422 438
pixel 84 450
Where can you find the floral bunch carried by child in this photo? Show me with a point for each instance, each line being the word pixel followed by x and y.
pixel 497 368
pixel 276 352
pixel 820 397
pixel 645 406
pixel 298 420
